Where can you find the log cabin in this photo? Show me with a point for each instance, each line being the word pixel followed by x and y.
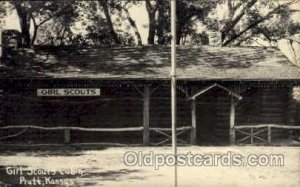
pixel 226 95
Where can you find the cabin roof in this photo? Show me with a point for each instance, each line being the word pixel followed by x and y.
pixel 150 63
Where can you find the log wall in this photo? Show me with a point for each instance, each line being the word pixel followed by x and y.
pixel 122 106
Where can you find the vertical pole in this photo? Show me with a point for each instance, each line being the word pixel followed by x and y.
pixel 194 123
pixel 269 134
pixel 232 121
pixel 146 115
pixel 251 136
pixel 292 108
pixel 173 85
pixel 67 136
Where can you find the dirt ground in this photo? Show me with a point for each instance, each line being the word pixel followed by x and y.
pixel 105 167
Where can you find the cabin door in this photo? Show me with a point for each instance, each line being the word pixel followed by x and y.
pixel 213 115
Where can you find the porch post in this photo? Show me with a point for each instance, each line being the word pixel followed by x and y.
pixel 269 134
pixel 232 121
pixel 146 115
pixel 291 108
pixel 193 136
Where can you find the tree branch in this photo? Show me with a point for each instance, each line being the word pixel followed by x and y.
pixel 35 29
pixel 254 24
pixel 234 22
pixel 56 14
pixel 292 39
pixel 131 22
pixel 104 5
pixel 150 7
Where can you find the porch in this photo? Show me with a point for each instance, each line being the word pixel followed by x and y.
pixel 137 113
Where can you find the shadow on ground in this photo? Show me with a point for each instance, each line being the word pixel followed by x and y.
pixel 43 151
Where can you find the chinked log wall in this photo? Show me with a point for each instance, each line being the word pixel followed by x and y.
pixel 119 106
pixel 264 105
pixel 123 107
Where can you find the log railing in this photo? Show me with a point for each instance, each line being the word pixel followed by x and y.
pixel 161 131
pixel 252 131
pixel 166 132
pixel 75 128
pixel 67 130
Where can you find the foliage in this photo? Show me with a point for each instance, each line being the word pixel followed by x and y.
pixel 109 22
pixel 100 27
pixel 246 21
pixel 40 13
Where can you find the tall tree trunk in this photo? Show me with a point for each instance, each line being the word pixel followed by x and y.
pixel 161 21
pixel 104 5
pixel 133 25
pixel 151 32
pixel 24 19
pixel 151 9
pixel 25 27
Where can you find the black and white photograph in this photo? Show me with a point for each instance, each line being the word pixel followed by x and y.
pixel 179 93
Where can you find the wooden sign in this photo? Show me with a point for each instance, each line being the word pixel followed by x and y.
pixel 68 92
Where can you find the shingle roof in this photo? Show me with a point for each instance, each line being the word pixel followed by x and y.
pixel 152 62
